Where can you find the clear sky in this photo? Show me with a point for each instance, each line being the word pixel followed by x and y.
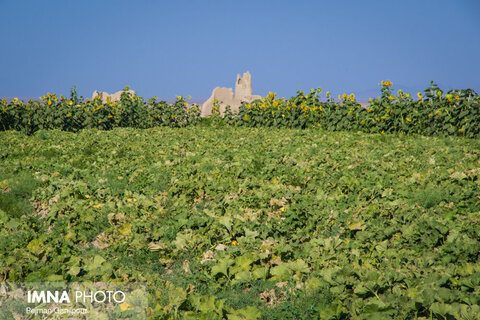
pixel 168 48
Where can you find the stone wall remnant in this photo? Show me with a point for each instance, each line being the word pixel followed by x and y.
pixel 226 96
pixel 243 86
pixel 113 97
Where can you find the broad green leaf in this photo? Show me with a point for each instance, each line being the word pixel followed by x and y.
pixel 247 313
pixel 260 273
pixel 250 233
pixel 55 278
pixel 299 266
pixel 126 229
pixel 222 266
pixel 242 277
pixel 361 290
pixel 242 263
pixel 441 309
pixel 226 221
pixel 97 261
pixel 356 226
pixel 458 176
pixel 74 270
pixel 280 272
pixel 36 246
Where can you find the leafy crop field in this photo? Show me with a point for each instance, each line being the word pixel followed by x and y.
pixel 231 222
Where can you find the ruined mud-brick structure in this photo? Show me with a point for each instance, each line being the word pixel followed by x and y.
pixel 226 96
pixel 113 97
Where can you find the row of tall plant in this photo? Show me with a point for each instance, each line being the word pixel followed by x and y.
pixel 75 113
pixel 433 112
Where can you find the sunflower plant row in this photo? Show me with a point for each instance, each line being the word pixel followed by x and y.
pixel 433 112
pixel 456 112
pixel 74 113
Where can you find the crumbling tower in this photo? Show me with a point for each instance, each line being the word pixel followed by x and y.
pixel 243 86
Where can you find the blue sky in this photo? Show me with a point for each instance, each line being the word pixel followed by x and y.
pixel 167 48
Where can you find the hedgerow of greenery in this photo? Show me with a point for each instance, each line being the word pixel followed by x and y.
pixel 76 113
pixel 434 113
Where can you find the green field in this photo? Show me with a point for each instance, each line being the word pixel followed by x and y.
pixel 249 223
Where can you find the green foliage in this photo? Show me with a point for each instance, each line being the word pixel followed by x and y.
pixel 455 113
pixel 74 114
pixel 249 223
pixel 15 194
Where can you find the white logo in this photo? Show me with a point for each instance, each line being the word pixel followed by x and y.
pixel 83 296
pixel 48 297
